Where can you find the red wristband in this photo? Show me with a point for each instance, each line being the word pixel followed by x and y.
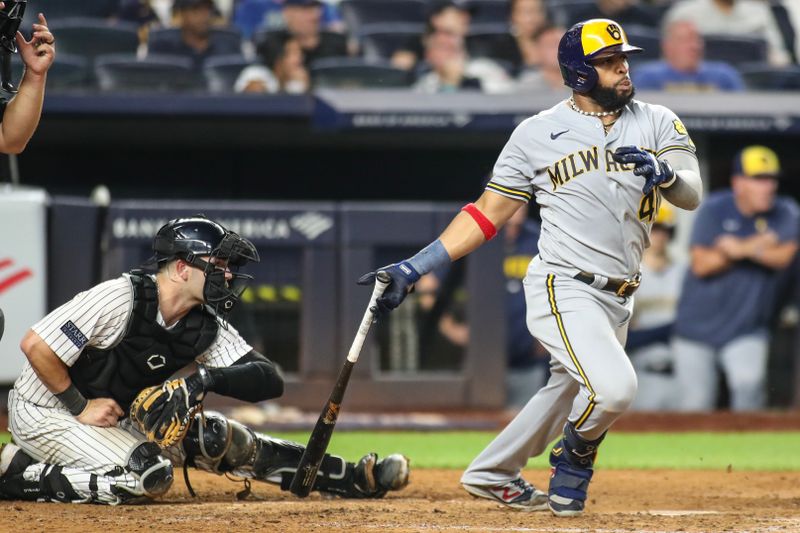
pixel 488 229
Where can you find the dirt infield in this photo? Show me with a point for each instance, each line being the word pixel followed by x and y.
pixel 653 501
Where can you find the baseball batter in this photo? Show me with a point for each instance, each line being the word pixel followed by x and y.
pixel 598 165
pixel 83 431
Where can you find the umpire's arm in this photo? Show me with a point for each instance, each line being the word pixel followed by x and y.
pixel 21 116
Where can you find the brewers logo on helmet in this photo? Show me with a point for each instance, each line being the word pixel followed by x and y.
pixel 585 42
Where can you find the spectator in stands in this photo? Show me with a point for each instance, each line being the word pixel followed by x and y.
pixel 651 326
pixel 441 344
pixel 527 18
pixel 140 12
pixel 626 12
pixel 749 18
pixel 195 19
pixel 452 70
pixel 441 15
pixel 527 358
pixel 742 239
pixel 253 15
pixel 547 74
pixel 284 71
pixel 303 20
pixel 682 67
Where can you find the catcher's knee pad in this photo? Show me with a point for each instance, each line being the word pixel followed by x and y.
pixel 217 444
pixel 153 470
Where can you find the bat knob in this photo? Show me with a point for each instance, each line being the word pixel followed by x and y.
pixel 383 276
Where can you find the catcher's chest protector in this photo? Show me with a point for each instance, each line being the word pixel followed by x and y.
pixel 148 353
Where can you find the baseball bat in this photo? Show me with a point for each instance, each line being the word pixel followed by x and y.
pixel 2 323
pixel 307 469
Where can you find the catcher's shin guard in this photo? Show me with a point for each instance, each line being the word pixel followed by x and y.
pixel 24 479
pixel 218 444
pixel 572 461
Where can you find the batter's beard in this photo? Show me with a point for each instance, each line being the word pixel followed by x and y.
pixel 609 99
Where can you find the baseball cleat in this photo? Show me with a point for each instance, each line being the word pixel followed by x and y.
pixel 392 471
pixel 12 459
pixel 374 478
pixel 517 494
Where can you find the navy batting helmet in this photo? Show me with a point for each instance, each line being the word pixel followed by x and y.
pixel 584 42
pixel 195 238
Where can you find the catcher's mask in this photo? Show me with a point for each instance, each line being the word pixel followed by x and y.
pixel 10 19
pixel 208 246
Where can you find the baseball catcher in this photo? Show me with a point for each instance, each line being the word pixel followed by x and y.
pixel 98 414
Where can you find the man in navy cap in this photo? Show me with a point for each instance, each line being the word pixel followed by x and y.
pixel 742 238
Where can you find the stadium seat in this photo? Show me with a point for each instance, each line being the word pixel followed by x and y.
pixel 228 40
pixel 734 49
pixel 489 11
pixel 356 13
pixel 89 37
pixel 221 72
pixel 764 77
pixel 561 11
pixel 353 73
pixel 156 73
pixel 56 9
pixel 646 38
pixel 67 73
pixel 380 41
pixel 493 41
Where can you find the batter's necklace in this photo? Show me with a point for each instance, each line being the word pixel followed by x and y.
pixel 577 109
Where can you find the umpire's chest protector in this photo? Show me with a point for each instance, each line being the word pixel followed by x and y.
pixel 147 354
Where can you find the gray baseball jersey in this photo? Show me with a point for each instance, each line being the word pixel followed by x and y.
pixel 595 219
pixel 594 216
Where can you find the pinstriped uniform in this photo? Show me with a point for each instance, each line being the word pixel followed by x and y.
pixel 594 219
pixel 41 425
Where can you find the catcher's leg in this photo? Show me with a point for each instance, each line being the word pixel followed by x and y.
pixel 147 474
pixel 218 444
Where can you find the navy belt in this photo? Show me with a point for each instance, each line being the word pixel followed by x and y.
pixel 620 287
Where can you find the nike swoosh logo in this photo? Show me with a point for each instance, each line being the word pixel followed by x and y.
pixel 554 136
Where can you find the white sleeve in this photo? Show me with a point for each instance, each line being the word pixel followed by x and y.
pixel 97 318
pixel 226 349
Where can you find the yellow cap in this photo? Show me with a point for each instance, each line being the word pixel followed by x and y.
pixel 756 161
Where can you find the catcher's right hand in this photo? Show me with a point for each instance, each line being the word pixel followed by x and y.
pixel 164 412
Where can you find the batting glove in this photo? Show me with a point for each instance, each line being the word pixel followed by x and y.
pixel 656 172
pixel 403 278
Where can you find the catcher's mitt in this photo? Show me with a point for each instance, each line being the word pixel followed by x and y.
pixel 164 412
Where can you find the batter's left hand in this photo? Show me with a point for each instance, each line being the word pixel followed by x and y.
pixel 38 53
pixel 656 172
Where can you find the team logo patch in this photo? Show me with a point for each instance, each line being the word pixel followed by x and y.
pixel 679 127
pixel 156 361
pixel 74 334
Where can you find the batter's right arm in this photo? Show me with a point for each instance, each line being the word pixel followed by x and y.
pixel 473 226
pixel 52 371
pixel 464 235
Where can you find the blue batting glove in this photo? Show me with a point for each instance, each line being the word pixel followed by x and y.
pixel 656 172
pixel 403 278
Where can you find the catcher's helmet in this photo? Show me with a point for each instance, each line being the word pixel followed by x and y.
pixel 584 42
pixel 198 237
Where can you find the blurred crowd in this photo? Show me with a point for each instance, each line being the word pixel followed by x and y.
pixel 492 46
